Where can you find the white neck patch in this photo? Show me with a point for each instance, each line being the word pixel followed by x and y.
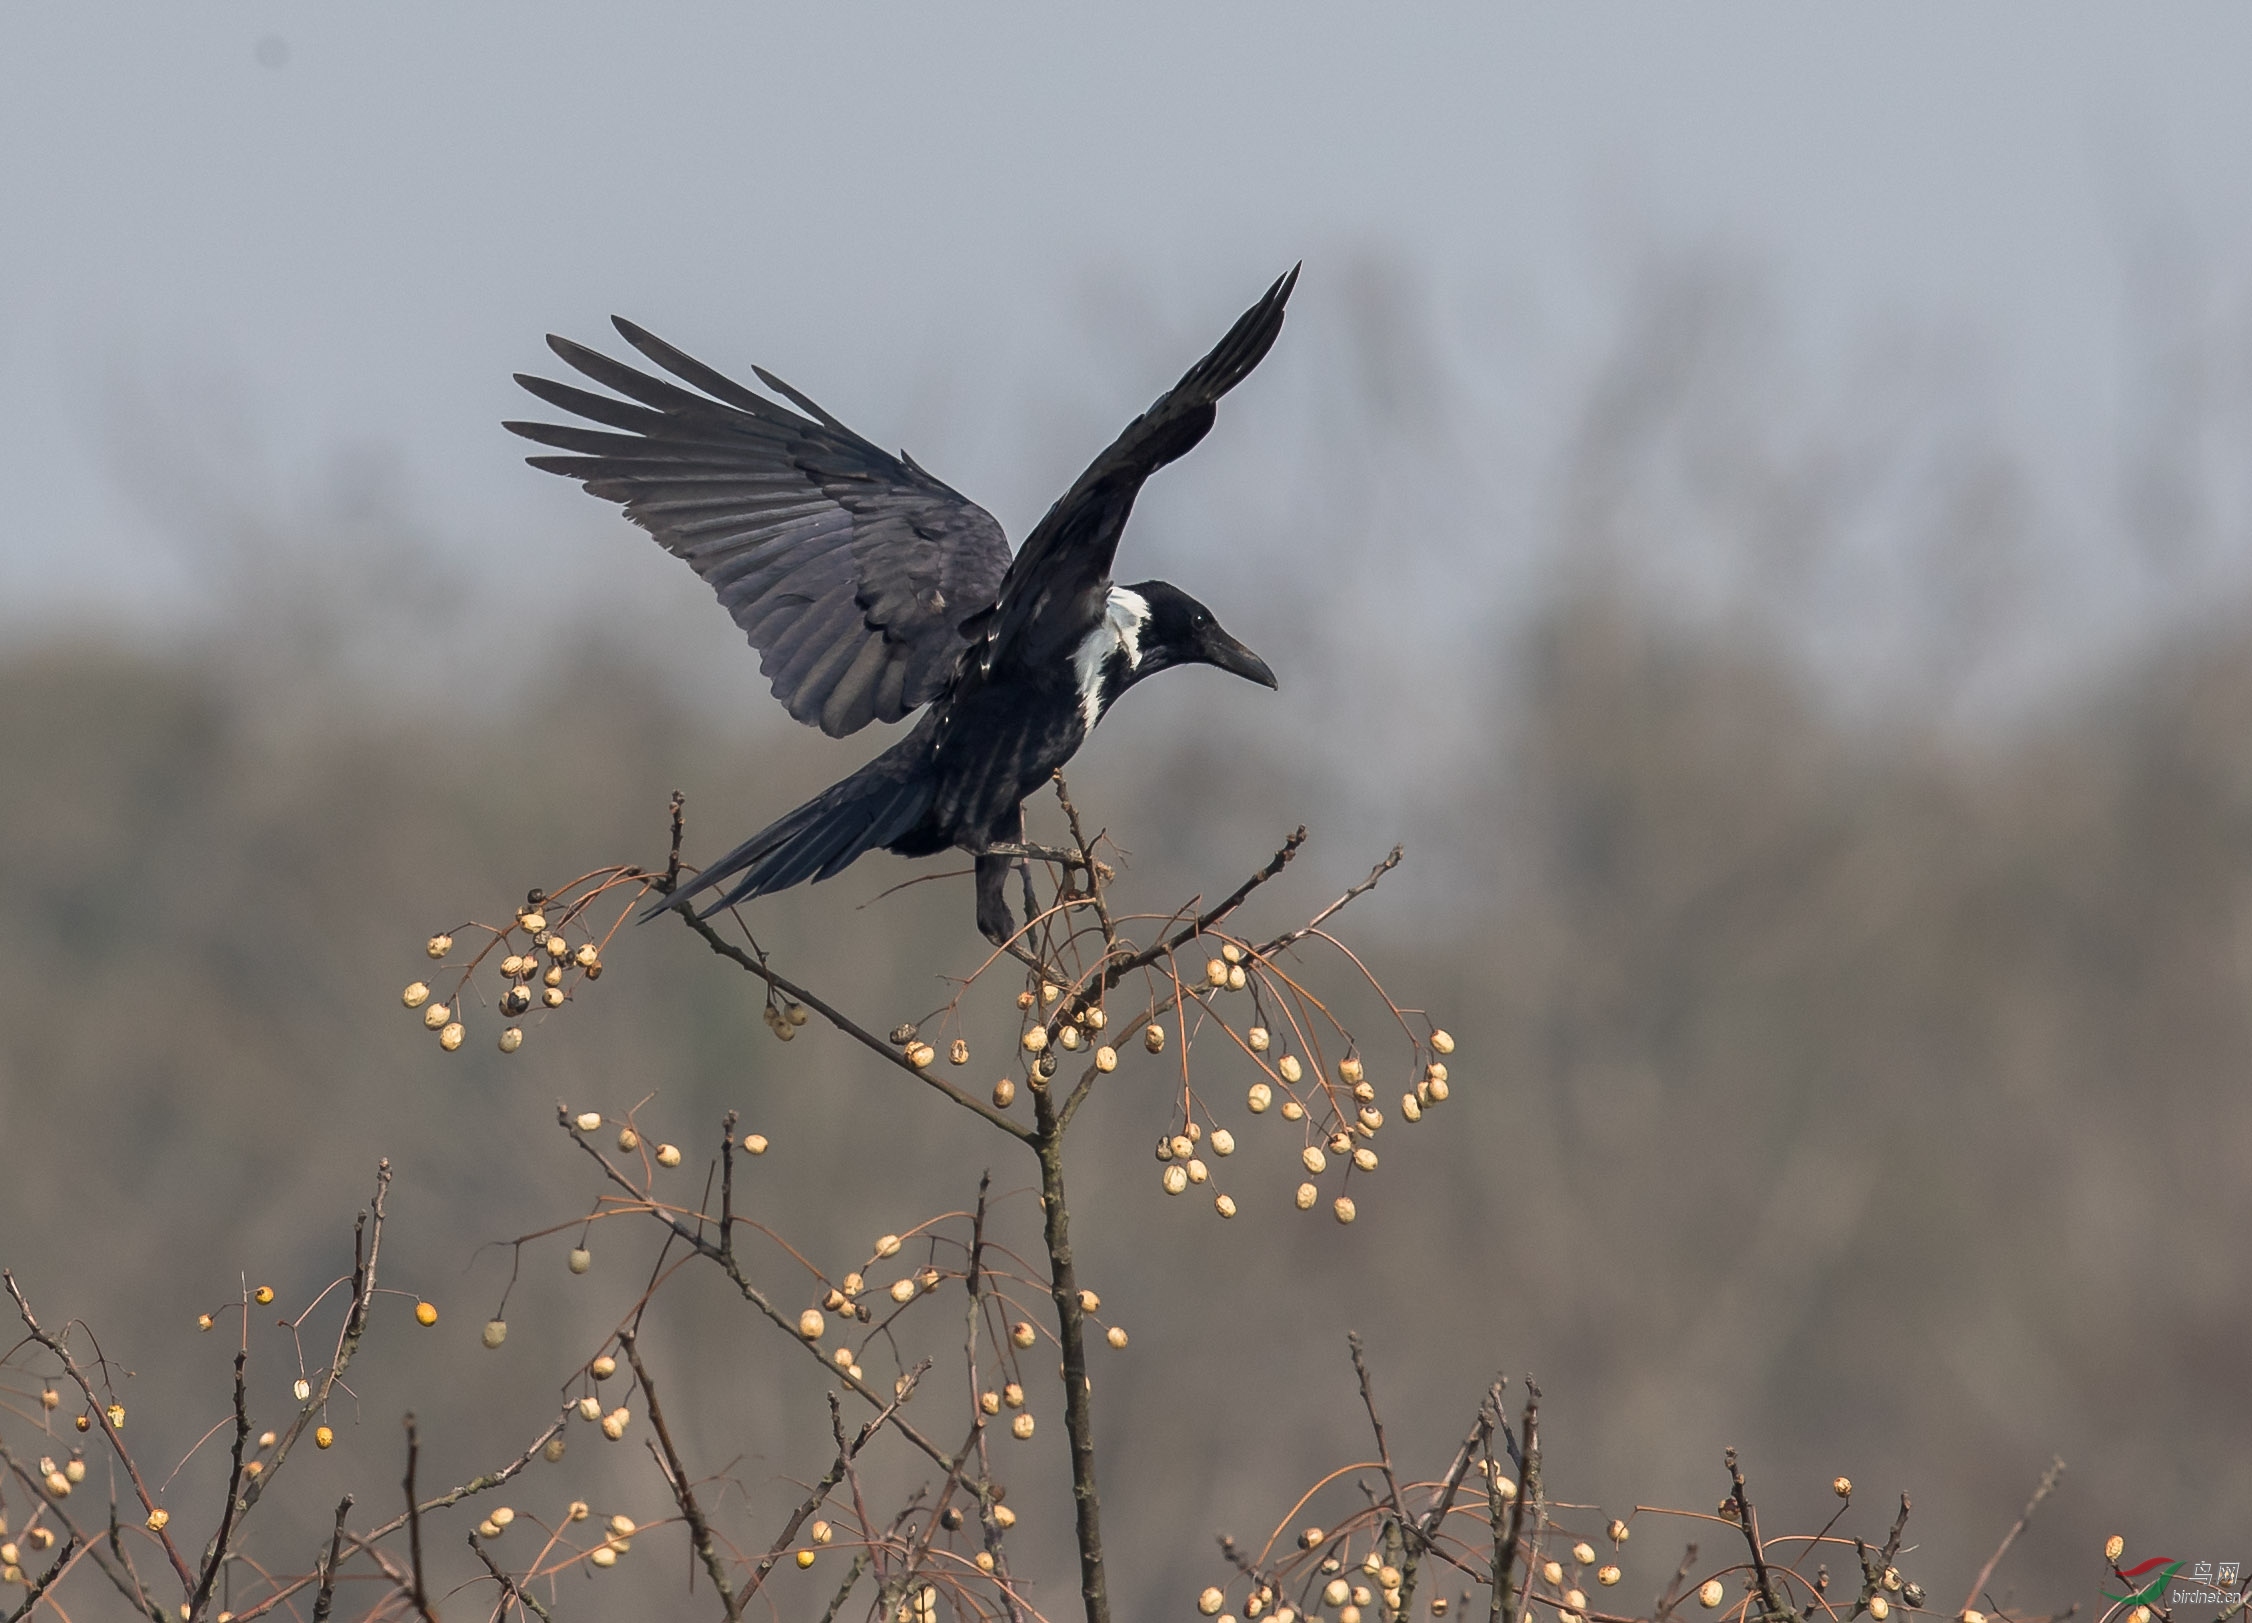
pixel 1119 631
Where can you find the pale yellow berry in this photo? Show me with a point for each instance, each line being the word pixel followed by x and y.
pixel 581 1259
pixel 887 1246
pixel 1441 1043
pixel 1116 1335
pixel 1365 1159
pixel 1879 1608
pixel 1089 1302
pixel 1712 1593
pixel 58 1485
pixel 990 1402
pixel 628 1139
pixel 425 1314
pixel 1345 1209
pixel 1311 1538
pixel 1842 1487
pixel 903 1290
pixel 1153 1038
pixel 842 1358
pixel 811 1324
pixel 2140 1614
pixel 1013 1395
pixel 531 920
pixel 590 1408
pixel 323 1437
pixel 1197 1170
pixel 75 1470
pixel 1069 1037
pixel 496 1332
pixel 1436 1087
pixel 1315 1161
pixel 1258 1037
pixel 1969 1616
pixel 553 997
pixel 668 1155
pixel 1607 1576
pixel 1259 1098
pixel 578 1511
pixel 158 1519
pixel 1237 980
pixel 1288 1068
pixel 1371 1119
pixel 1180 1147
pixel 754 1143
pixel 1224 1205
pixel 511 1039
pixel 1349 1070
pixel 1892 1579
pixel 921 1055
pixel 1022 1333
pixel 436 1015
pixel 1307 1195
pixel 958 1053
pixel 603 1556
pixel 589 1121
pixel 1223 1141
pixel 1021 1427
pixel 1175 1179
pixel 1210 1602
pixel 450 1035
pixel 615 1422
pixel 985 1562
pixel 2114 1547
pixel 1216 972
pixel 1004 1517
pixel 302 1388
pixel 553 977
pixel 603 1367
pixel 415 996
pixel 1575 1598
pixel 1106 1058
pixel 1618 1531
pixel 439 945
pixel 1036 1039
pixel 1005 1092
pixel 1410 1107
pixel 1584 1554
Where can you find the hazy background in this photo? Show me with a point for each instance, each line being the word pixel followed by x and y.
pixel 1757 499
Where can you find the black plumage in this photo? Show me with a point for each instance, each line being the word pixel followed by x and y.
pixel 872 589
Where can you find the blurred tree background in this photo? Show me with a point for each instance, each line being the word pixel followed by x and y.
pixel 1852 1008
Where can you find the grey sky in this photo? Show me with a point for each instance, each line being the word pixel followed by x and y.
pixel 902 208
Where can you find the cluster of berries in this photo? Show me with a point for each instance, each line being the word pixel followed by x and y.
pixel 540 973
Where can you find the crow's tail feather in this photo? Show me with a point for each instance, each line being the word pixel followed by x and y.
pixel 869 810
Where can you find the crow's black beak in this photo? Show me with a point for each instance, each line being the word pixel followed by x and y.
pixel 1224 651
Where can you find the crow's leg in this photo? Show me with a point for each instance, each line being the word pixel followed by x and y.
pixel 993 920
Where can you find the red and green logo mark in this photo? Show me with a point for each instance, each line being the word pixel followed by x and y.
pixel 2150 1592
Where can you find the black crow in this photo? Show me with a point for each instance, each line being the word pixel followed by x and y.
pixel 871 589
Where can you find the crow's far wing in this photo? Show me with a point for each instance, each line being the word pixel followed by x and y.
pixel 854 573
pixel 1070 551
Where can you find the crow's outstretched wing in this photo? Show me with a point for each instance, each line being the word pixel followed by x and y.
pixel 855 574
pixel 1069 554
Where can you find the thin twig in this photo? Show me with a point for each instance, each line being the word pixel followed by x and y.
pixel 327 1597
pixel 508 1586
pixel 1747 1521
pixel 2049 1479
pixel 417 1594
pixel 46 1580
pixel 117 1444
pixel 845 1024
pixel 699 1528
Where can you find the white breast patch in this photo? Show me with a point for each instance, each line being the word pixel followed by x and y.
pixel 1118 631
